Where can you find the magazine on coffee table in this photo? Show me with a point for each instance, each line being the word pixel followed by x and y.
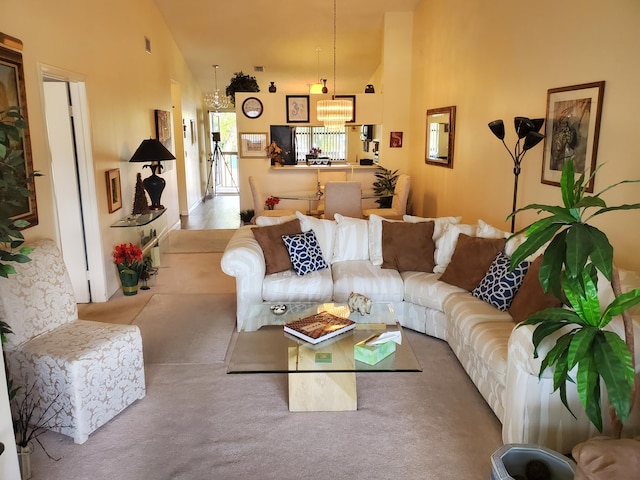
pixel 318 327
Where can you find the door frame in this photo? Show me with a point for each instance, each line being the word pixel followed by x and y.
pixel 96 274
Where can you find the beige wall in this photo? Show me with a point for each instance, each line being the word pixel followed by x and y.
pixel 103 43
pixel 497 60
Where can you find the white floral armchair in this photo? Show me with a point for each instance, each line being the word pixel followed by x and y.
pixel 91 371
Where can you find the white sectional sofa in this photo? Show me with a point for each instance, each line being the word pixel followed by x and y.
pixel 497 356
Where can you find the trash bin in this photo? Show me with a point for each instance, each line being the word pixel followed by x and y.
pixel 512 459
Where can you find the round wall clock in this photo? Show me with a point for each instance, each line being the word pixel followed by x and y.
pixel 252 107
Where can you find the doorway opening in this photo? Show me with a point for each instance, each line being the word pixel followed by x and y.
pixel 223 176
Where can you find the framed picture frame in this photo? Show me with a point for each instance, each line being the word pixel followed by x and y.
pixel 253 145
pixel 395 140
pixel 114 191
pixel 440 136
pixel 193 132
pixel 12 78
pixel 353 104
pixel 297 108
pixel 163 129
pixel 572 128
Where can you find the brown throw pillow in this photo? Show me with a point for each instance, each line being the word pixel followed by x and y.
pixel 276 255
pixel 530 297
pixel 470 260
pixel 408 246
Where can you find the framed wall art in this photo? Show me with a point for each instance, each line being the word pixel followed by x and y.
pixel 572 127
pixel 395 140
pixel 163 129
pixel 114 192
pixel 440 136
pixel 253 144
pixel 297 108
pixel 353 105
pixel 13 96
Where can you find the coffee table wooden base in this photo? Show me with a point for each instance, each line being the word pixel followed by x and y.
pixel 322 392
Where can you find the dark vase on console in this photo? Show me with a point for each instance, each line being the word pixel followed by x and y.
pixel 154 185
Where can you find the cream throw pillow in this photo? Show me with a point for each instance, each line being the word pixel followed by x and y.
pixel 325 231
pixel 352 239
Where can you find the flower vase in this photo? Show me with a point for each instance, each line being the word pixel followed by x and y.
pixel 129 281
pixel 24 461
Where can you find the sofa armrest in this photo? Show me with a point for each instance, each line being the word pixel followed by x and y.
pixel 244 260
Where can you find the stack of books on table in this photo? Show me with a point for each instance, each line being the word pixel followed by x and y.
pixel 319 326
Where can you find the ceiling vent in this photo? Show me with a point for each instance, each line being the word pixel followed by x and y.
pixel 258 68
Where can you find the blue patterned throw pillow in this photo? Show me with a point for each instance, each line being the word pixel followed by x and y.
pixel 499 285
pixel 305 253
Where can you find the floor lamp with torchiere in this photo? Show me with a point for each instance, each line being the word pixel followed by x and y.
pixel 527 129
pixel 153 152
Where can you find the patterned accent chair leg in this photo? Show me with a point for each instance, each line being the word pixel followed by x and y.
pixel 88 371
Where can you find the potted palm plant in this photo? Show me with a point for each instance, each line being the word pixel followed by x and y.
pixel 12 189
pixel 576 252
pixel 385 185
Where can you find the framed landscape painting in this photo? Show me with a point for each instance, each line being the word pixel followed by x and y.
pixel 572 128
pixel 253 145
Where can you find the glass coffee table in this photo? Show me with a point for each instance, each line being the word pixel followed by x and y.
pixel 321 376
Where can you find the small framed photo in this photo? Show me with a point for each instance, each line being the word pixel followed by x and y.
pixel 114 194
pixel 297 108
pixel 353 104
pixel 253 144
pixel 395 140
pixel 572 128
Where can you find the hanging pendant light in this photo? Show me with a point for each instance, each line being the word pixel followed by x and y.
pixel 334 113
pixel 316 88
pixel 216 100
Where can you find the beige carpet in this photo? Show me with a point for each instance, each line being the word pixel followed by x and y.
pixel 198 422
pixel 196 241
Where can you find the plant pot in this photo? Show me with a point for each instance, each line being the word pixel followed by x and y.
pixel 510 461
pixel 24 461
pixel 129 281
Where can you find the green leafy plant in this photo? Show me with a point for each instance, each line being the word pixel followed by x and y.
pixel 385 186
pixel 12 189
pixel 247 215
pixel 241 83
pixel 575 253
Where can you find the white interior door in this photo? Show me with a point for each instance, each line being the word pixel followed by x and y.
pixel 65 185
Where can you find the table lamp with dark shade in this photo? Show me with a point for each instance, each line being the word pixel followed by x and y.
pixel 151 150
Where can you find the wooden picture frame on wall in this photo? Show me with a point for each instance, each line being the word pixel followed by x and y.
pixel 114 190
pixel 253 145
pixel 297 108
pixel 572 128
pixel 14 95
pixel 163 129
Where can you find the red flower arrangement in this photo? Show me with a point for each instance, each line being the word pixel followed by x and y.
pixel 271 202
pixel 127 256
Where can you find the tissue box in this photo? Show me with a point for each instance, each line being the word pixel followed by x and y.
pixel 372 354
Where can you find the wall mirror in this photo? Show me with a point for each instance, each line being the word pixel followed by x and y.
pixel 440 136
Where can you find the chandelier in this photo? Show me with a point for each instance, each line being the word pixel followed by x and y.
pixel 216 100
pixel 334 113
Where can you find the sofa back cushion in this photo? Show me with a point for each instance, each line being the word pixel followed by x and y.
pixel 352 239
pixel 325 231
pixel 276 256
pixel 408 246
pixel 471 260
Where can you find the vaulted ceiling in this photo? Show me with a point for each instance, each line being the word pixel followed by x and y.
pixel 283 37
